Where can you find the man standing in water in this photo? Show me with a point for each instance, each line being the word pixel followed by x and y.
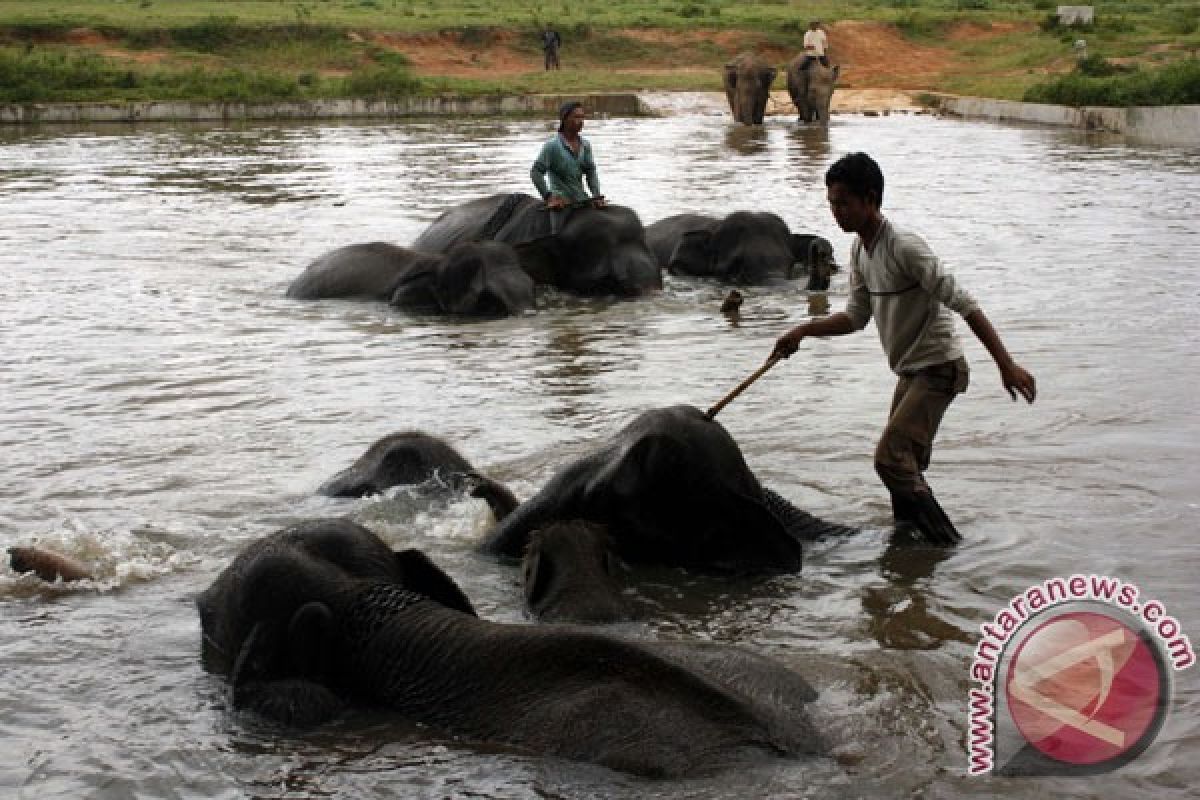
pixel 896 278
pixel 564 161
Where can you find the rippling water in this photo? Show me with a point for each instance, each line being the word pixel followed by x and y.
pixel 164 403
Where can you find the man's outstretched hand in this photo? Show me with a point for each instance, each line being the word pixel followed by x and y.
pixel 1016 379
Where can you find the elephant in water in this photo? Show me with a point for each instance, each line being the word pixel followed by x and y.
pixel 323 614
pixel 811 88
pixel 671 488
pixel 589 251
pixel 745 247
pixel 747 80
pixel 570 573
pixel 472 278
pixel 416 458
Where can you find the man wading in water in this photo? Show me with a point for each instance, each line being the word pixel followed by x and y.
pixel 896 278
pixel 563 163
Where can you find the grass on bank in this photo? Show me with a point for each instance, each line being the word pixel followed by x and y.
pixel 290 49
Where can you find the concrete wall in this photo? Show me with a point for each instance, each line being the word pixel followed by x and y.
pixel 597 104
pixel 1175 125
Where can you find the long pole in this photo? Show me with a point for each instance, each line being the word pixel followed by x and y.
pixel 741 387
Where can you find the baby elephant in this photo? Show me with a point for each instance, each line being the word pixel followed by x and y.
pixel 570 573
pixel 417 459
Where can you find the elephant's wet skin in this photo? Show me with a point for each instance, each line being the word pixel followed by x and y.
pixel 672 488
pixel 570 573
pixel 744 247
pixel 473 279
pixel 413 458
pixel 588 251
pixel 338 619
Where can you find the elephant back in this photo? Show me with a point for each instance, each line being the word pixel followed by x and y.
pixel 472 221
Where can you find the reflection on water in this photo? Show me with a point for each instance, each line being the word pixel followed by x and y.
pixel 165 403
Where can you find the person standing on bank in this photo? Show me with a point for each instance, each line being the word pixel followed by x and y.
pixel 564 162
pixel 896 278
pixel 551 41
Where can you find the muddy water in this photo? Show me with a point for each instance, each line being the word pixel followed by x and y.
pixel 164 404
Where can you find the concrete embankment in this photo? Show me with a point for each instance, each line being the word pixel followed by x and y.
pixel 1174 125
pixel 36 113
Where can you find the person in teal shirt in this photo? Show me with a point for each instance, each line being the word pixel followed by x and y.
pixel 565 161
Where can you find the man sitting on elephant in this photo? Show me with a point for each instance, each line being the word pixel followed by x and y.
pixel 565 160
pixel 816 43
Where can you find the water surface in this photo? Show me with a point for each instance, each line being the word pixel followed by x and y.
pixel 164 403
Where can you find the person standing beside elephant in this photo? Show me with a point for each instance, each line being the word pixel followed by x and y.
pixel 816 43
pixel 896 278
pixel 564 161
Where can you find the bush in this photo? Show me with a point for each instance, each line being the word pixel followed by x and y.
pixel 1173 84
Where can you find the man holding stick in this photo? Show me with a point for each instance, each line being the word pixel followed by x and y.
pixel 896 278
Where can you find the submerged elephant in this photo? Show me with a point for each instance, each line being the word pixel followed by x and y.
pixel 416 458
pixel 811 88
pixel 323 614
pixel 472 278
pixel 590 251
pixel 745 247
pixel 570 573
pixel 672 488
pixel 747 80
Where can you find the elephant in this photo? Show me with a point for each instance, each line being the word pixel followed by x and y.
pixel 585 250
pixel 569 573
pixel 747 81
pixel 672 488
pixel 417 458
pixel 811 88
pixel 472 278
pixel 744 247
pixel 322 616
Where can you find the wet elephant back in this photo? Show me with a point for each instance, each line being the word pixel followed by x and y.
pixel 359 270
pixel 663 236
pixel 471 221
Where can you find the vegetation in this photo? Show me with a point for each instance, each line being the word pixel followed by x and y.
pixel 75 50
pixel 1098 83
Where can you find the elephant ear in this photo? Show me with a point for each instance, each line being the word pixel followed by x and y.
pixel 540 258
pixel 419 574
pixel 416 289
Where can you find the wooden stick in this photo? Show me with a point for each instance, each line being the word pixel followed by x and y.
pixel 741 387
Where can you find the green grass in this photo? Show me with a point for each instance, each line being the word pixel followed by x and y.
pixel 276 49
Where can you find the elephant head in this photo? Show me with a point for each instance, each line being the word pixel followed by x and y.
pixel 477 279
pixel 569 573
pixel 313 618
pixel 473 279
pixel 672 488
pixel 810 85
pixel 590 251
pixel 267 623
pixel 818 258
pixel 417 459
pixel 747 81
